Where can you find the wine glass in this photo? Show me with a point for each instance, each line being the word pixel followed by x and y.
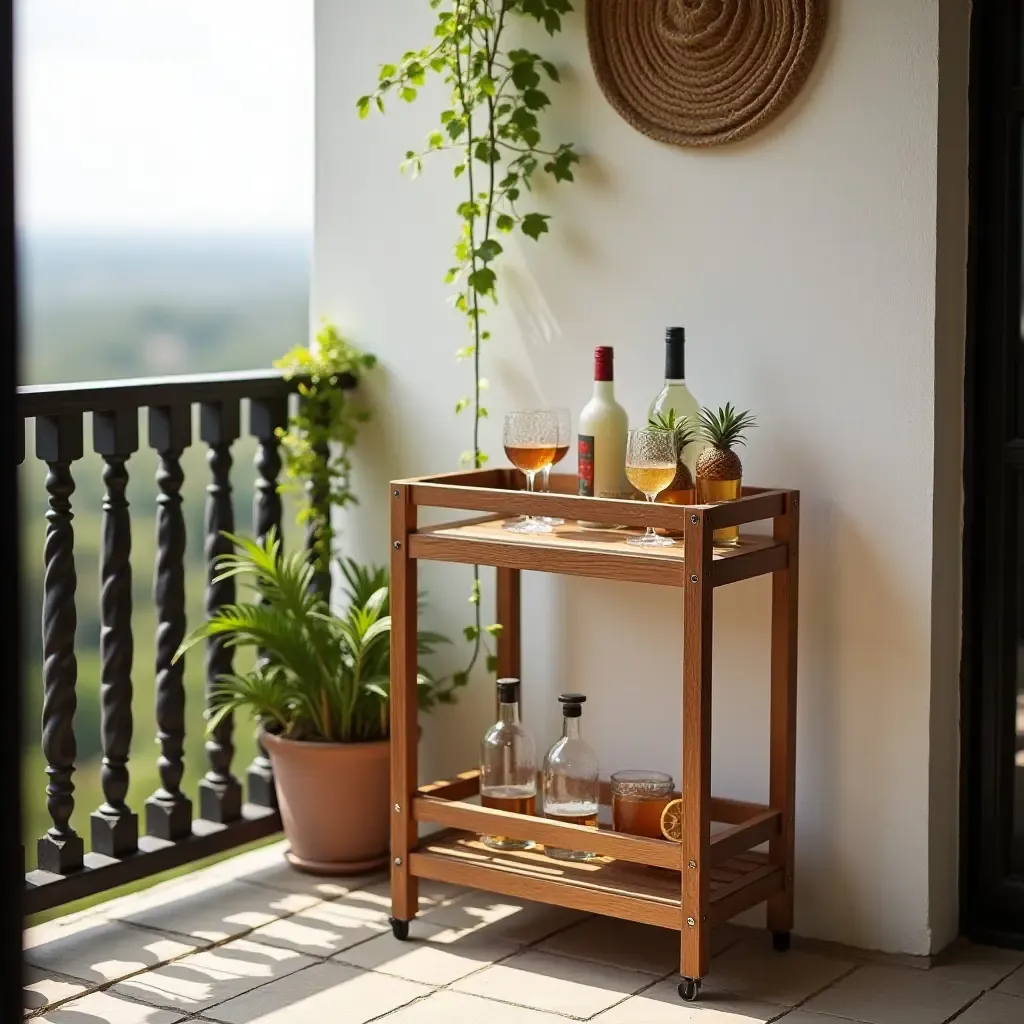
pixel 561 450
pixel 650 467
pixel 530 440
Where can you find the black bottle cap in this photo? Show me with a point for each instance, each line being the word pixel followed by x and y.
pixel 571 704
pixel 675 353
pixel 508 691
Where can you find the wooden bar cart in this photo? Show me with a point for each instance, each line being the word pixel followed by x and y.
pixel 715 872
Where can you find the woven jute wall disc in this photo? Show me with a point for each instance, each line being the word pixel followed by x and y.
pixel 702 72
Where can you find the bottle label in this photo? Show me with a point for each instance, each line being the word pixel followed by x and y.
pixel 585 466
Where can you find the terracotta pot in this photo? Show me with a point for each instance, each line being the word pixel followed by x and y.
pixel 334 800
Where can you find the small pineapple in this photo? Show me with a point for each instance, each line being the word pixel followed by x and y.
pixel 719 470
pixel 680 491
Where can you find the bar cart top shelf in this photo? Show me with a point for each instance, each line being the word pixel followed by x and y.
pixel 574 549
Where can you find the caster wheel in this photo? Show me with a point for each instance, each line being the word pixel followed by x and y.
pixel 400 929
pixel 689 990
pixel 780 942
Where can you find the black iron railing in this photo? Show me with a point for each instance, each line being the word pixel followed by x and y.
pixel 171 833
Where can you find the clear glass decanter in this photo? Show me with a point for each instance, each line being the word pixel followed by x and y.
pixel 508 766
pixel 571 777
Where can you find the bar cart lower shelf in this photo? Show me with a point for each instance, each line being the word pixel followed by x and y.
pixel 721 866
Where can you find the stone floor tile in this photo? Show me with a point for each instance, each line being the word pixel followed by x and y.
pixel 232 909
pixel 557 984
pixel 448 1007
pixel 994 1008
pixel 432 955
pixel 981 966
pixel 431 894
pixel 724 936
pixel 1014 984
pixel 753 970
pixel 810 1017
pixel 606 940
pixel 107 1008
pixel 325 992
pixel 893 995
pixel 502 917
pixel 42 988
pixel 282 877
pixel 325 928
pixel 214 975
pixel 97 951
pixel 662 1005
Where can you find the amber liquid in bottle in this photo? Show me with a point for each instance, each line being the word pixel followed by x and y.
pixel 711 492
pixel 574 814
pixel 530 458
pixel 640 817
pixel 511 799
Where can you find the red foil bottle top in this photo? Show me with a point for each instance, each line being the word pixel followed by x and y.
pixel 604 362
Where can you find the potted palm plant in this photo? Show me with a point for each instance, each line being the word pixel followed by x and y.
pixel 319 690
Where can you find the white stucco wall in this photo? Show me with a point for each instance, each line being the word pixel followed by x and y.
pixel 803 263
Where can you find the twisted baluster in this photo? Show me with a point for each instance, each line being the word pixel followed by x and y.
pixel 168 810
pixel 58 444
pixel 115 827
pixel 266 415
pixel 220 793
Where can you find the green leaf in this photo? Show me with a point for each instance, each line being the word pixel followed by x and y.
pixel 535 99
pixel 468 210
pixel 461 405
pixel 524 76
pixel 460 678
pixel 481 413
pixel 492 663
pixel 455 127
pixel 552 22
pixel 486 85
pixel 466 352
pixel 435 140
pixel 380 104
pixel 504 222
pixel 482 280
pixel 438 64
pixel 535 224
pixel 551 70
pixel 408 94
pixel 388 71
pixel 494 629
pixel 363 106
pixel 459 170
pixel 470 632
pixel 488 250
pixel 446 116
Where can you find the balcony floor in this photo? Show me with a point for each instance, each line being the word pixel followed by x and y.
pixel 249 940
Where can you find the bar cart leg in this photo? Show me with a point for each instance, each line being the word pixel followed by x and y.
pixel 404 734
pixel 698 609
pixel 508 602
pixel 782 783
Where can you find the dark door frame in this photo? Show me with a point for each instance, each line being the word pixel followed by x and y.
pixel 991 891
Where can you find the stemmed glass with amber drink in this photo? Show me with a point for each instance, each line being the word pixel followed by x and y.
pixel 561 450
pixel 650 467
pixel 530 440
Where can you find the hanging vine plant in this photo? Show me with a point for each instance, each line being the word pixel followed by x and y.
pixel 491 124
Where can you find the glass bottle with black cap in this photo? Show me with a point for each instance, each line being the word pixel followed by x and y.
pixel 571 777
pixel 508 766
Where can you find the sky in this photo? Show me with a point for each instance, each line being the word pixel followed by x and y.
pixel 138 117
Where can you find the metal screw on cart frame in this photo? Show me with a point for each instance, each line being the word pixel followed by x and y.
pixel 398 808
pixel 692 865
pixel 695 520
pixel 690 921
pixel 397 544
pixel 398 862
pixel 693 578
pixel 395 493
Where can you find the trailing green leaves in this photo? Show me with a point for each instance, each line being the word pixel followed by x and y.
pixel 491 124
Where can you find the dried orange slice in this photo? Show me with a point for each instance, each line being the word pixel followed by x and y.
pixel 672 821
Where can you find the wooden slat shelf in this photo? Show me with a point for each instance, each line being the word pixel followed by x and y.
pixel 716 871
pixel 578 551
pixel 601 886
